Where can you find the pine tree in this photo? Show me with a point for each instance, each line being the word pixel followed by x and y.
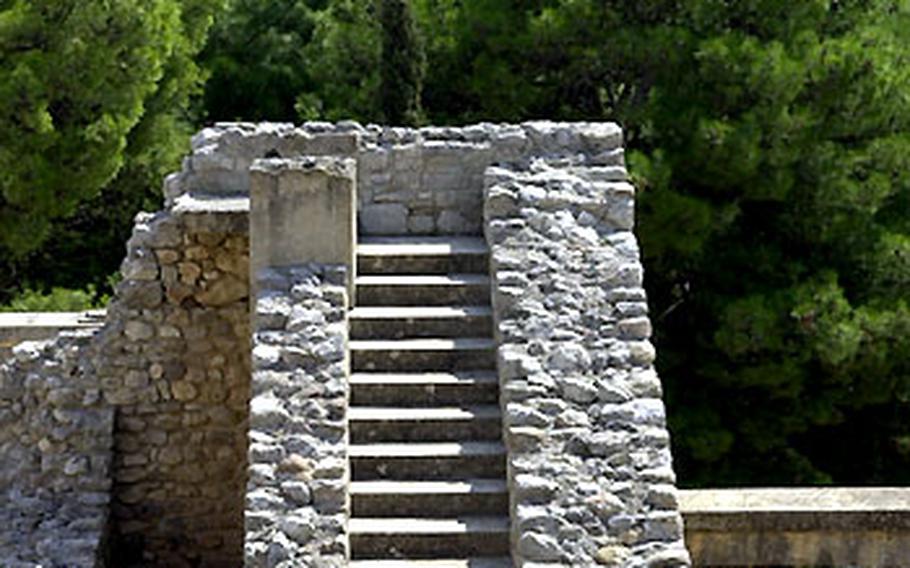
pixel 772 149
pixel 77 240
pixel 290 60
pixel 76 80
pixel 770 142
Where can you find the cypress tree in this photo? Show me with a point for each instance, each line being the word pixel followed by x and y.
pixel 403 64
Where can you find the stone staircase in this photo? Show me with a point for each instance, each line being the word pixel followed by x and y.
pixel 427 461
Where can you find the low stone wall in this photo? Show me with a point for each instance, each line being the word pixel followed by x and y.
pixel 56 438
pixel 831 526
pixel 410 181
pixel 16 327
pixel 590 473
pixel 297 502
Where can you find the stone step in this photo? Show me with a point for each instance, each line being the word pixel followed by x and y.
pixel 415 538
pixel 425 425
pixel 422 289
pixel 408 424
pixel 424 389
pixel 429 498
pixel 420 321
pixel 443 563
pixel 427 461
pixel 421 255
pixel 427 354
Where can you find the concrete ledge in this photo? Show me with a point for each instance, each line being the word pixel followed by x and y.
pixel 16 327
pixel 798 527
pixel 205 203
pixel 89 318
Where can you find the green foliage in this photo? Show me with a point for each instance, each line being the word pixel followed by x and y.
pixel 484 60
pixel 57 300
pixel 74 80
pixel 257 59
pixel 772 144
pixel 110 84
pixel 403 64
pixel 345 60
pixel 286 60
pixel 769 141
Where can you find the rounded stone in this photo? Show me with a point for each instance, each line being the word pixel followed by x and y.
pixel 613 555
pixel 298 527
pixel 536 546
pixel 297 491
pixel 184 391
pixel 137 330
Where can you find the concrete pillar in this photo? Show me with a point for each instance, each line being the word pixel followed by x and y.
pixel 303 210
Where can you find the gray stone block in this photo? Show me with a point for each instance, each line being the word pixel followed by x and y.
pixel 384 219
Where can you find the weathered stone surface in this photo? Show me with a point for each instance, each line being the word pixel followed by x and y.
pixel 223 291
pixel 790 526
pixel 177 372
pixel 297 489
pixel 385 219
pixel 575 370
pixel 56 441
pixel 302 210
pixel 173 360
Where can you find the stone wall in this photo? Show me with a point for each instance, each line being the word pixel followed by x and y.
pixel 417 181
pixel 172 362
pixel 818 526
pixel 590 473
pixel 297 501
pixel 55 446
pixel 175 366
pixel 16 327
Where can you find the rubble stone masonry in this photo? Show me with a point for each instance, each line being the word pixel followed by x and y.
pixel 143 443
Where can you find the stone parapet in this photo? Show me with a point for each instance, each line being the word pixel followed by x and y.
pixel 410 181
pixel 819 526
pixel 589 466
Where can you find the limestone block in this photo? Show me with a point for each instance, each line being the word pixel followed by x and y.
pixel 224 291
pixel 384 219
pixel 302 210
pixel 453 222
pixel 137 330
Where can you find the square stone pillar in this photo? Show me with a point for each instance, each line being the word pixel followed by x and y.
pixel 302 231
pixel 303 210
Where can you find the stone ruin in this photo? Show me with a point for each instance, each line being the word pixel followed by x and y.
pixel 224 412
